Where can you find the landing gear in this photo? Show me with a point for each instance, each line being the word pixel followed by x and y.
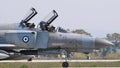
pixel 65 64
pixel 30 59
pixel 88 57
pixel 66 55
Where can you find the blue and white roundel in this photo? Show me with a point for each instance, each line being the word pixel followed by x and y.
pixel 25 39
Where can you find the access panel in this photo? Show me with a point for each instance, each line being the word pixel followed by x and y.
pixel 42 40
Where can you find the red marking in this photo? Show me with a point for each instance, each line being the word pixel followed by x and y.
pixel 60 35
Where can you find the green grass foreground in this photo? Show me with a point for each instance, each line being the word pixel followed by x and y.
pixel 56 64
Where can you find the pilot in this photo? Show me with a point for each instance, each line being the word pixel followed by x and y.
pixel 27 24
pixel 30 25
pixel 51 28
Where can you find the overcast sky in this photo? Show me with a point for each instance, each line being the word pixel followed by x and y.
pixel 98 17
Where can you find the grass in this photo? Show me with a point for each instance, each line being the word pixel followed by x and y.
pixel 57 64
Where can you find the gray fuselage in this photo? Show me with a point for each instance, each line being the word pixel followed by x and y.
pixel 18 38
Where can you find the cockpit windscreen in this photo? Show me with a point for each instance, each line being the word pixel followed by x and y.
pixel 62 30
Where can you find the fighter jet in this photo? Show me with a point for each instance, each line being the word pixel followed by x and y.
pixel 26 38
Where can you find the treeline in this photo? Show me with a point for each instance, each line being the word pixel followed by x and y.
pixel 81 31
pixel 114 38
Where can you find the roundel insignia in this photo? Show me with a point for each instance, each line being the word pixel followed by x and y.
pixel 25 39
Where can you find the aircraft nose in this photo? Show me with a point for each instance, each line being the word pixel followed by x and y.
pixel 102 43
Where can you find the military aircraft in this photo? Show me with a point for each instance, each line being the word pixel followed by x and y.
pixel 26 38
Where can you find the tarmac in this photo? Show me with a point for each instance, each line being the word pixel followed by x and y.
pixel 60 61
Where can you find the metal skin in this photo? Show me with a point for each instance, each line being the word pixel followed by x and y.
pixel 22 39
pixel 3 54
pixel 76 42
